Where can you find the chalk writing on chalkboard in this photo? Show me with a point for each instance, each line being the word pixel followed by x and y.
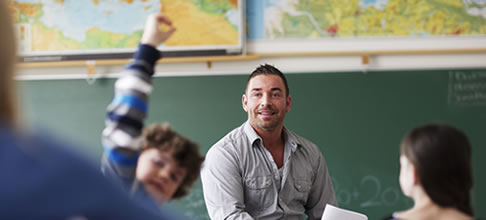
pixel 369 193
pixel 467 87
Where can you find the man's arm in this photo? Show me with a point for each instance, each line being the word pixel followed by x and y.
pixel 223 186
pixel 322 191
pixel 121 137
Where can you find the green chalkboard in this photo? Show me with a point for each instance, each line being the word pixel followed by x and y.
pixel 357 119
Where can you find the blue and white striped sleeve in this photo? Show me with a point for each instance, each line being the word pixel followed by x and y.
pixel 125 116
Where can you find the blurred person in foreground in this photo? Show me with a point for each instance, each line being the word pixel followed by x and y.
pixel 40 178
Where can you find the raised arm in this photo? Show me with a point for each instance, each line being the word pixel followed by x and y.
pixel 121 137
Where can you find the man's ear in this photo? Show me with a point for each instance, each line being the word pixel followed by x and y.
pixel 244 102
pixel 289 101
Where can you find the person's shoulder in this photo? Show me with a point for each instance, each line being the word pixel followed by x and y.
pixel 41 148
pixel 51 170
pixel 232 146
pixel 237 135
pixel 52 152
pixel 302 142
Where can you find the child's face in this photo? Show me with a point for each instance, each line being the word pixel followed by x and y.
pixel 160 174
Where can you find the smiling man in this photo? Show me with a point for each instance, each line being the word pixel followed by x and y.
pixel 262 170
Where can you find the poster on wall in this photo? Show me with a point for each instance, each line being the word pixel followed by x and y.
pixel 365 24
pixel 97 29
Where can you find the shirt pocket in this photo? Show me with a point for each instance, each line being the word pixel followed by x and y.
pixel 259 193
pixel 302 189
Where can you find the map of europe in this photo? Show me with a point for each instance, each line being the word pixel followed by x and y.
pixel 74 26
pixel 285 19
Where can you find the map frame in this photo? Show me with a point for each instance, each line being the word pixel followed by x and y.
pixel 168 51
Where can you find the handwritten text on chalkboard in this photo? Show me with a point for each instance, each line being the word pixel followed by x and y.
pixel 467 87
pixel 369 193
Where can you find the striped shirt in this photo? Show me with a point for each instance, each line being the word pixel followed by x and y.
pixel 121 137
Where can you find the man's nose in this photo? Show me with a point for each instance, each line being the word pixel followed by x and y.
pixel 265 100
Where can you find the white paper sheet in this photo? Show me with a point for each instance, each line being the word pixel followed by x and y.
pixel 335 213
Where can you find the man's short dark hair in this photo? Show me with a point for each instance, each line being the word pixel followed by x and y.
pixel 267 69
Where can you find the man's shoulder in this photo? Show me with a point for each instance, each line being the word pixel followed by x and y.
pixel 300 139
pixel 232 138
pixel 303 143
pixel 233 144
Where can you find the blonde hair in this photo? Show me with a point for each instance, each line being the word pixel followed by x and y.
pixel 8 113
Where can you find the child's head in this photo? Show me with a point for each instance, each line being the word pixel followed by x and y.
pixel 437 159
pixel 169 163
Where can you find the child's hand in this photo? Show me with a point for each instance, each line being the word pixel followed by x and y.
pixel 153 34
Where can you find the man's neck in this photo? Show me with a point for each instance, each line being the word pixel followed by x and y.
pixel 273 141
pixel 271 138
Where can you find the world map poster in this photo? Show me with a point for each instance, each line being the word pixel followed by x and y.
pixel 73 27
pixel 321 19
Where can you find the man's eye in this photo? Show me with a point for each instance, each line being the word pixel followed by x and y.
pixel 276 95
pixel 257 95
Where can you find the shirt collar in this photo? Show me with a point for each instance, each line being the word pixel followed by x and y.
pixel 251 133
pixel 289 137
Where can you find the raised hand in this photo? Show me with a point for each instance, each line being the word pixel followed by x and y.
pixel 153 34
